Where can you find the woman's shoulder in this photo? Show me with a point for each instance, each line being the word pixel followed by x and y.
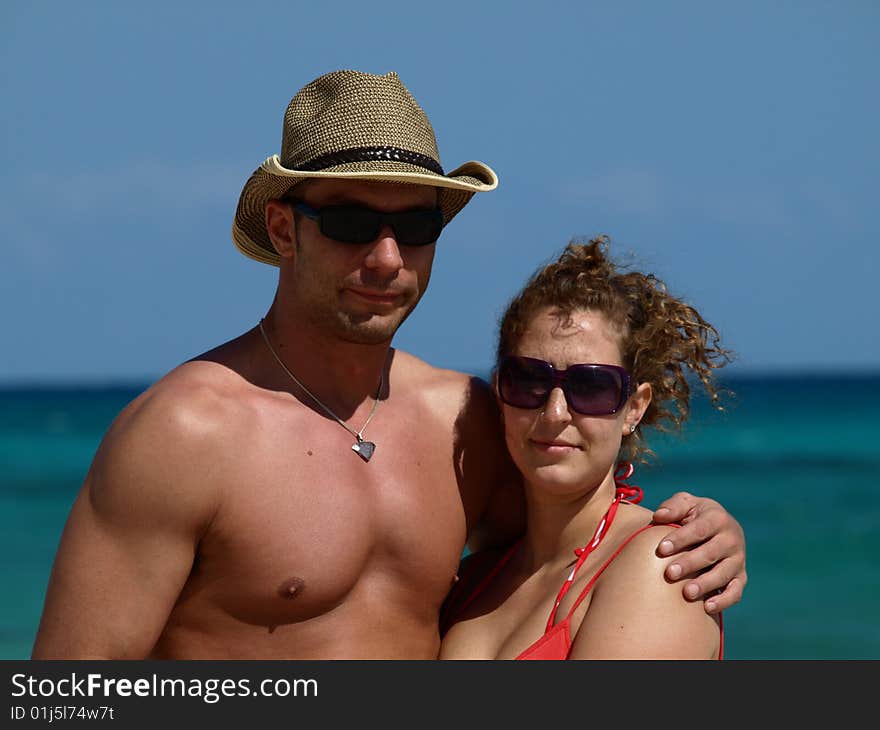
pixel 635 612
pixel 634 573
pixel 636 539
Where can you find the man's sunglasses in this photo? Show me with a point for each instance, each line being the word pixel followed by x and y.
pixel 355 224
pixel 591 390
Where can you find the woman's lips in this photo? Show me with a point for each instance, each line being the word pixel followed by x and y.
pixel 554 447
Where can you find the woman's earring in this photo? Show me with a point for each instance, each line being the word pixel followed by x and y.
pixel 632 428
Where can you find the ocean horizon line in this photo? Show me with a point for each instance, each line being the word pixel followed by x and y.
pixel 741 374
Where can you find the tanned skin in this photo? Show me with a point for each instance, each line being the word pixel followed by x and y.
pixel 225 515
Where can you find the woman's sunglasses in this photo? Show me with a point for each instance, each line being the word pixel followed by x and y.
pixel 591 390
pixel 358 225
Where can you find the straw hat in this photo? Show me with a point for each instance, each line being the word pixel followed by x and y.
pixel 349 125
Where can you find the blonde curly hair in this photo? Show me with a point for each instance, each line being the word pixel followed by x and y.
pixel 661 337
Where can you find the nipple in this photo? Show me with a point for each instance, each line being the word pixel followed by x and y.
pixel 292 588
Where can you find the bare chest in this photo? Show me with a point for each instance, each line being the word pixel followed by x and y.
pixel 516 609
pixel 505 620
pixel 306 527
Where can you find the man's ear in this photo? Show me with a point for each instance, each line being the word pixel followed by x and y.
pixel 281 228
pixel 635 407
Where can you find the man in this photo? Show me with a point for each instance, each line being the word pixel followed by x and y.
pixel 306 490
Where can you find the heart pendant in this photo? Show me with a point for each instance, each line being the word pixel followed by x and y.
pixel 364 449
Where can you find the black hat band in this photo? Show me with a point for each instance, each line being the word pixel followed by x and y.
pixel 372 154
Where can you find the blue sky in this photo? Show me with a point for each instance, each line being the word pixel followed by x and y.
pixel 731 148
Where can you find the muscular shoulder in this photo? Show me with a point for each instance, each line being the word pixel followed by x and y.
pixel 185 410
pixel 447 390
pixel 465 401
pixel 165 445
pixel 195 396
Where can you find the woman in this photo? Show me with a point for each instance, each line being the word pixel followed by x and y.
pixel 588 356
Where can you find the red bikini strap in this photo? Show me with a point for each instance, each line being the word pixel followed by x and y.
pixel 592 581
pixel 631 492
pixel 623 490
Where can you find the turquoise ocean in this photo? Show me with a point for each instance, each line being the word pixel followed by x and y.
pixel 794 458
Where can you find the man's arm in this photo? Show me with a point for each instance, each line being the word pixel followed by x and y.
pixel 709 548
pixel 490 484
pixel 710 545
pixel 129 542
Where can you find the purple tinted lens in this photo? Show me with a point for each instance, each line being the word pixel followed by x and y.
pixel 591 390
pixel 594 390
pixel 524 382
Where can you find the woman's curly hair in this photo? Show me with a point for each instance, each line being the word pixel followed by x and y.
pixel 660 336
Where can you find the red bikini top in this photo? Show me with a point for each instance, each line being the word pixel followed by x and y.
pixel 556 641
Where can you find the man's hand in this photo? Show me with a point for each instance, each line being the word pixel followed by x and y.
pixel 712 549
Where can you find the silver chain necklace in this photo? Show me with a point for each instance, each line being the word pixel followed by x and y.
pixel 361 447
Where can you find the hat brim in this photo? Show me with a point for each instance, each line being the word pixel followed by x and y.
pixel 272 180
